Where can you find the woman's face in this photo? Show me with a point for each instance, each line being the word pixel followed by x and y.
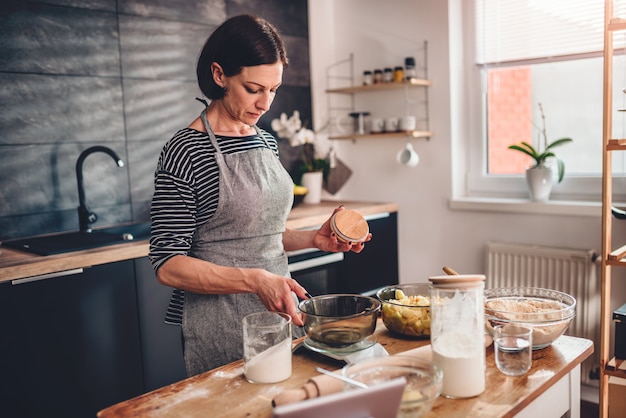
pixel 250 93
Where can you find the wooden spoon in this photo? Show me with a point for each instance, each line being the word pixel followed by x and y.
pixel 449 271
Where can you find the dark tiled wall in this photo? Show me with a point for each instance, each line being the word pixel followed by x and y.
pixel 77 73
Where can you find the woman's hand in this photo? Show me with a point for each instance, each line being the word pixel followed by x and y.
pixel 326 240
pixel 195 275
pixel 275 293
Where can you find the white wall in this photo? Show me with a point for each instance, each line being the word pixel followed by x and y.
pixel 431 235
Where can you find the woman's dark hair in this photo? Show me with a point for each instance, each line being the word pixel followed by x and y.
pixel 241 41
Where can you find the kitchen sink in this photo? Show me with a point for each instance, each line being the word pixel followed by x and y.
pixel 76 240
pixel 137 231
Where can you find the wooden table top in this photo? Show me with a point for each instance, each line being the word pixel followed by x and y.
pixel 224 392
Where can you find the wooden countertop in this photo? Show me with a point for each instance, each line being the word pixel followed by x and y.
pixel 306 216
pixel 15 264
pixel 226 393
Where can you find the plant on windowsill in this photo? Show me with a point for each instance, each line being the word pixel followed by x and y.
pixel 539 175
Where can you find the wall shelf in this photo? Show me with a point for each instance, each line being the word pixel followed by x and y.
pixel 342 89
pixel 414 82
pixel 403 134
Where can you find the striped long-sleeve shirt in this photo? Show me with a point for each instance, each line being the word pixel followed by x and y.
pixel 186 194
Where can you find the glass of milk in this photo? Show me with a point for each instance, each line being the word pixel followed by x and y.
pixel 457 328
pixel 267 347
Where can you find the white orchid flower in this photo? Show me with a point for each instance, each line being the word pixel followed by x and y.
pixel 280 126
pixel 303 136
pixel 287 127
pixel 295 121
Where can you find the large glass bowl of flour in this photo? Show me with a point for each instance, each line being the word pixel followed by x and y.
pixel 548 312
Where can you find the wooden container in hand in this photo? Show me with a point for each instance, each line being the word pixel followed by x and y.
pixel 349 226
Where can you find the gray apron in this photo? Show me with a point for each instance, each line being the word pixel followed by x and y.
pixel 255 193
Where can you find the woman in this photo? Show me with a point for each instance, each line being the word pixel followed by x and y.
pixel 222 198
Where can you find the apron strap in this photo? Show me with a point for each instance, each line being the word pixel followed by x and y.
pixel 209 131
pixel 204 102
pixel 211 134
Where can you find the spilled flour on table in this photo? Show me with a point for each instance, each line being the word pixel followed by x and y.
pixel 189 392
pixel 228 375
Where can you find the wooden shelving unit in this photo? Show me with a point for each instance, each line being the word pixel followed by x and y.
pixel 345 75
pixel 415 82
pixel 611 258
pixel 402 134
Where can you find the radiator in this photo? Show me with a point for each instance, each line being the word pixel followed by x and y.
pixel 567 270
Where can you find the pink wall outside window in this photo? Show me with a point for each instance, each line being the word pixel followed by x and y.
pixel 509 119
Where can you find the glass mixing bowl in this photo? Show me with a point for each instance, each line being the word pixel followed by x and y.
pixel 339 320
pixel 424 380
pixel 548 312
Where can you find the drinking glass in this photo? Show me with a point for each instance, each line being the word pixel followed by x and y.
pixel 513 349
pixel 267 347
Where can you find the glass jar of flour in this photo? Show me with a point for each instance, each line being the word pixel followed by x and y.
pixel 458 333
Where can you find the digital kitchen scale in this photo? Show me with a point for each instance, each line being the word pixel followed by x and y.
pixel 349 354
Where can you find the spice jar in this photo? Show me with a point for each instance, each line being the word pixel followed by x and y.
pixel 409 68
pixel 367 78
pixel 398 74
pixel 349 226
pixel 457 327
pixel 388 75
pixel 378 76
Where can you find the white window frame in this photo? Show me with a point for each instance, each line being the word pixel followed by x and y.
pixel 471 180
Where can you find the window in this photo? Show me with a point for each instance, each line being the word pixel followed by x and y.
pixel 526 52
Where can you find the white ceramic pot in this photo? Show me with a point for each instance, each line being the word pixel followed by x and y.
pixel 539 180
pixel 313 181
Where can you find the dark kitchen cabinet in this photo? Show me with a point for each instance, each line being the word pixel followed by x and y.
pixel 74 344
pixel 377 265
pixel 70 345
pixel 161 343
pixel 374 267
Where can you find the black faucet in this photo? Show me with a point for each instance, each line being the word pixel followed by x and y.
pixel 85 216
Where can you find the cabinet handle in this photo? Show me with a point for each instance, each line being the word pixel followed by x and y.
pixel 315 262
pixel 46 276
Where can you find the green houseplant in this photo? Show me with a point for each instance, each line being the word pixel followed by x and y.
pixel 539 156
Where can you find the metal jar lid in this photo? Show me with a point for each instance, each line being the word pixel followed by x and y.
pixel 350 226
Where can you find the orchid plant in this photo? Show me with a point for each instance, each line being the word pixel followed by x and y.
pixel 537 155
pixel 292 129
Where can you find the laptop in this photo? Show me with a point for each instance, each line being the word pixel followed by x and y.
pixel 379 401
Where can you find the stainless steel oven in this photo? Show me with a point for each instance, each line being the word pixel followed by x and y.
pixel 317 271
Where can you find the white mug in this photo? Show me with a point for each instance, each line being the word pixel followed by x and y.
pixel 407 156
pixel 408 123
pixel 377 125
pixel 391 125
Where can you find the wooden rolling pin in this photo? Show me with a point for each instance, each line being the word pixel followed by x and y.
pixel 316 386
pixel 325 385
